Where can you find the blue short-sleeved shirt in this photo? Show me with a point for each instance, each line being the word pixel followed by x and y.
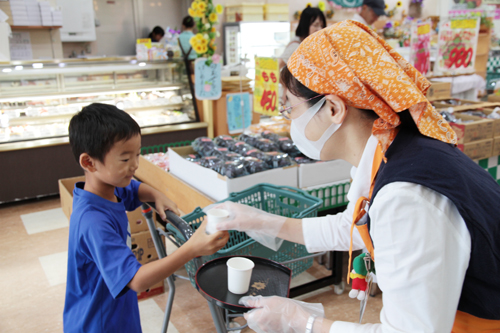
pixel 184 38
pixel 101 264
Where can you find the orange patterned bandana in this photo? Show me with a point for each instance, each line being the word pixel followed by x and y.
pixel 351 61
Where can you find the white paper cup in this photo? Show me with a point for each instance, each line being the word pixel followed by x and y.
pixel 239 272
pixel 215 216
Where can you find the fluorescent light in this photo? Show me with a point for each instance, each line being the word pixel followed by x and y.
pixel 133 62
pixel 142 64
pixel 37 65
pixel 62 64
pixel 18 68
pixel 7 70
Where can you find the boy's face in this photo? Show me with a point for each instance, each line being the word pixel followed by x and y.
pixel 120 163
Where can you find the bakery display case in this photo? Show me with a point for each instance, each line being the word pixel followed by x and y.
pixel 38 99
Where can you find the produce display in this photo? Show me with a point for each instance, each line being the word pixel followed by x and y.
pixel 249 154
pixel 159 159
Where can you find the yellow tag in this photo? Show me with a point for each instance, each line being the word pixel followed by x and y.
pixel 145 41
pixel 464 24
pixel 424 29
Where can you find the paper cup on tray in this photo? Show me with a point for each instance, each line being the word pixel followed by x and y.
pixel 239 272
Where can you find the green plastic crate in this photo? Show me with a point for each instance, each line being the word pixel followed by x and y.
pixel 164 147
pixel 332 196
pixel 280 200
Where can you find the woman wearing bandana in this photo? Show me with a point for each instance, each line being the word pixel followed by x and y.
pixel 427 214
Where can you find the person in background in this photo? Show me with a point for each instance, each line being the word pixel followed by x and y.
pixel 185 36
pixel 157 34
pixel 370 12
pixel 311 20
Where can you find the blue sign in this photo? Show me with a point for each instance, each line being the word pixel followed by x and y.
pixel 239 108
pixel 207 81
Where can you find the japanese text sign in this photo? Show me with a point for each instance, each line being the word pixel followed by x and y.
pixel 420 45
pixel 207 80
pixel 457 44
pixel 266 86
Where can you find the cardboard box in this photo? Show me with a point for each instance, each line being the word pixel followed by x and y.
pixel 439 90
pixel 496 146
pixel 483 43
pixel 493 98
pixel 144 247
pixel 137 221
pixel 157 289
pixel 481 64
pixel 478 150
pixel 455 103
pixel 276 12
pixel 323 172
pixel 249 12
pixel 185 196
pixel 479 129
pixel 66 187
pixel 496 122
pixel 219 187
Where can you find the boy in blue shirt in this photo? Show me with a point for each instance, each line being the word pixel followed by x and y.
pixel 103 273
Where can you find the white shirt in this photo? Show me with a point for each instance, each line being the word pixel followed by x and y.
pixel 360 19
pixel 422 250
pixel 290 48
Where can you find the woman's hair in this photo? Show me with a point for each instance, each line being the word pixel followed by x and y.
pixel 188 22
pixel 158 31
pixel 296 88
pixel 308 16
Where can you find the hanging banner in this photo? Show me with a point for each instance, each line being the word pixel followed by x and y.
pixel 207 80
pixel 420 45
pixel 457 45
pixel 239 112
pixel 266 90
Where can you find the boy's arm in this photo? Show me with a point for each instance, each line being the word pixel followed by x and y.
pixel 200 244
pixel 147 194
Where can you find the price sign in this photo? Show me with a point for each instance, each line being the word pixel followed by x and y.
pixel 207 80
pixel 420 45
pixel 457 45
pixel 266 86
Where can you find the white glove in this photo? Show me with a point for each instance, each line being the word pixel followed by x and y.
pixel 259 225
pixel 280 315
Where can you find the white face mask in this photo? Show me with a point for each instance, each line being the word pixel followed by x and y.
pixel 311 149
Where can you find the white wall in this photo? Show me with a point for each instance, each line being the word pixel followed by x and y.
pixel 123 21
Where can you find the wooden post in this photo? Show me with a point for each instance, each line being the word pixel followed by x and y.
pixel 208 117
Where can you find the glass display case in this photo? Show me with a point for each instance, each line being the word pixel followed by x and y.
pixel 38 99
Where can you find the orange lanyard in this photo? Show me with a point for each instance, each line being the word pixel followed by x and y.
pixel 361 209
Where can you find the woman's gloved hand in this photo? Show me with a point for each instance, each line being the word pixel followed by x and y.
pixel 261 226
pixel 280 315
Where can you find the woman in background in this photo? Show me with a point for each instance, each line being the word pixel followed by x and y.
pixel 157 34
pixel 185 36
pixel 311 20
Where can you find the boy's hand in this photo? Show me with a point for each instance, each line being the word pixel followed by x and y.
pixel 203 245
pixel 163 203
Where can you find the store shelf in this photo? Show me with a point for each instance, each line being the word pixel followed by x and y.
pixel 34 27
pixel 101 91
pixel 22 145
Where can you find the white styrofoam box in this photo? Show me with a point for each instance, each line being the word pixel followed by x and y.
pixel 314 174
pixel 219 187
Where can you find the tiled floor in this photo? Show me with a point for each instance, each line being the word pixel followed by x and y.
pixel 33 252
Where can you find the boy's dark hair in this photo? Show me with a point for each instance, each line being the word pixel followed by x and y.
pixel 188 22
pixel 308 16
pixel 158 31
pixel 296 88
pixel 96 128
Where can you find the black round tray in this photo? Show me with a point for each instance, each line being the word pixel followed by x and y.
pixel 269 278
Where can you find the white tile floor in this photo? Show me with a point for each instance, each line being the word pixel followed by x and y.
pixel 152 317
pixel 55 267
pixel 44 221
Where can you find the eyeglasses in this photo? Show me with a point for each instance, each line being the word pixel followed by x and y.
pixel 285 112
